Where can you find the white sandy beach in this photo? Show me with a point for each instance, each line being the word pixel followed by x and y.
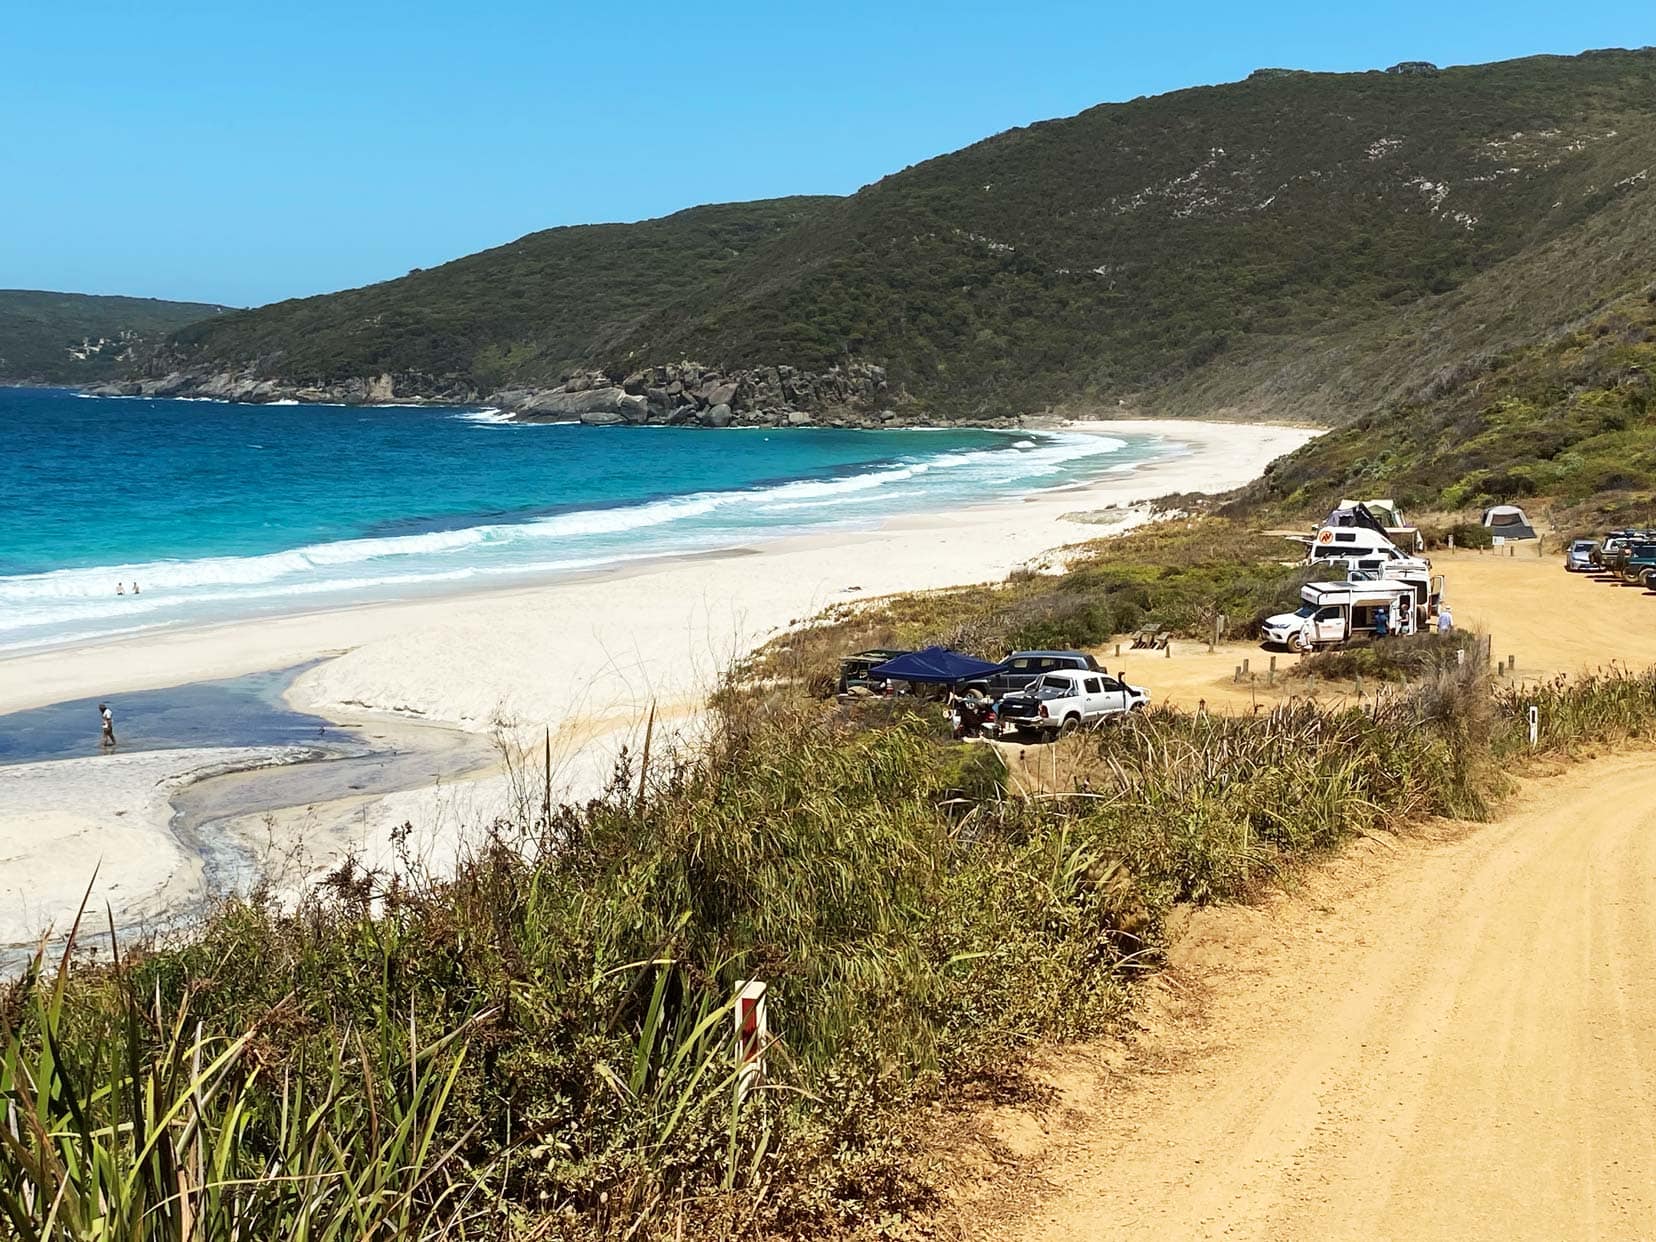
pixel 100 821
pixel 596 650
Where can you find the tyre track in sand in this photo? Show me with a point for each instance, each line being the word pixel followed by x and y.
pixel 1457 1040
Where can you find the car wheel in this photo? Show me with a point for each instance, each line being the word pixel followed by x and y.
pixel 1070 725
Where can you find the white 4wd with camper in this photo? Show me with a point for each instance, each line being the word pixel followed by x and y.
pixel 1057 702
pixel 1332 613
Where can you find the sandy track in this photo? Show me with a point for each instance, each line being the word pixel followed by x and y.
pixel 1449 1039
pixel 1549 621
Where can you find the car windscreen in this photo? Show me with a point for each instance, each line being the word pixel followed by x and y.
pixel 1305 610
pixel 1583 545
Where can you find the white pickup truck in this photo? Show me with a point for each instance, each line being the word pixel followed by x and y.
pixel 1057 702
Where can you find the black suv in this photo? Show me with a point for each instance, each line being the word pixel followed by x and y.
pixel 1022 667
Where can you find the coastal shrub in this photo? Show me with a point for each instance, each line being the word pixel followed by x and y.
pixel 1177 574
pixel 541 1044
pixel 1060 621
pixel 1610 705
pixel 1473 535
pixel 1568 418
pixel 1232 796
pixel 592 959
pixel 1404 658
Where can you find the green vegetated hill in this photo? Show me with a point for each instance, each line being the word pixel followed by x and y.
pixel 1294 243
pixel 71 338
pixel 529 310
pixel 1569 418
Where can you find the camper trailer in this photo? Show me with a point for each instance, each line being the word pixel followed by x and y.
pixel 1416 574
pixel 1333 613
pixel 1415 570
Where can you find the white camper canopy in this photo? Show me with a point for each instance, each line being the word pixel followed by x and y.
pixel 1508 521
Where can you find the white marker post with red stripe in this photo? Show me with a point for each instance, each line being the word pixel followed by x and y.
pixel 752 1035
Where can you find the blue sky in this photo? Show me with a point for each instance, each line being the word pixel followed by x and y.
pixel 244 153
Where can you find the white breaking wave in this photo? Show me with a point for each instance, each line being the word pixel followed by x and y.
pixel 489 416
pixel 46 607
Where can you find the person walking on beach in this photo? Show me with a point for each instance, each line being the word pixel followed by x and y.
pixel 108 718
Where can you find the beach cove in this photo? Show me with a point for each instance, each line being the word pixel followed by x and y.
pixel 581 659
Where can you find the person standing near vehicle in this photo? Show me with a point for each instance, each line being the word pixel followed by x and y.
pixel 1446 620
pixel 108 719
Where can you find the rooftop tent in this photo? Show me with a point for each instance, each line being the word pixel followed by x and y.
pixel 1385 512
pixel 935 665
pixel 1354 513
pixel 1509 522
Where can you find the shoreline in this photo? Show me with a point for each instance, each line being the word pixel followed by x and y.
pixel 578 661
pixel 1219 457
pixel 483 549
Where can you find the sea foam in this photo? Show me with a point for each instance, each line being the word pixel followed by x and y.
pixel 52 606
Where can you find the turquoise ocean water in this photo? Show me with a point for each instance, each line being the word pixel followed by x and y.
pixel 223 511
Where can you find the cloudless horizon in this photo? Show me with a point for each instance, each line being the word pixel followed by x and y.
pixel 222 153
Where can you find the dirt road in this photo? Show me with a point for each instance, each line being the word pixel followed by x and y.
pixel 1430 1040
pixel 1548 620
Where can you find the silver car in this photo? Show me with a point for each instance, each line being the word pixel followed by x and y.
pixel 1578 558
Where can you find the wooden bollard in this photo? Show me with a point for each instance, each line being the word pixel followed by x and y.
pixel 1359 685
pixel 1270 675
pixel 1244 666
pixel 1168 650
pixel 1236 674
pixel 1118 651
pixel 1512 664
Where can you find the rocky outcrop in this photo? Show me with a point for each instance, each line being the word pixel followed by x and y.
pixel 680 394
pixel 249 385
pixel 561 405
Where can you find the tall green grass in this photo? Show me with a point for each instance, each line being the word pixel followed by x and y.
pixel 1611 705
pixel 133 1116
pixel 540 1046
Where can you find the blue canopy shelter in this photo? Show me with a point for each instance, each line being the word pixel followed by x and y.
pixel 934 665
